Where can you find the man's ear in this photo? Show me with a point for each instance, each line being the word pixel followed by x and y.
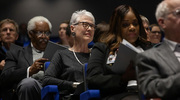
pixel 161 22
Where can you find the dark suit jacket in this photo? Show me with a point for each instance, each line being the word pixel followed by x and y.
pixel 100 75
pixel 3 53
pixel 17 61
pixel 159 73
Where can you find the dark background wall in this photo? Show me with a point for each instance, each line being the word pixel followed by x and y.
pixel 59 10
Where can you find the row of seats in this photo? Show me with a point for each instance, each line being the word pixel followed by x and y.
pixel 50 91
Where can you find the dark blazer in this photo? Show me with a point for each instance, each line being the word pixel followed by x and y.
pixel 100 75
pixel 3 53
pixel 159 73
pixel 17 61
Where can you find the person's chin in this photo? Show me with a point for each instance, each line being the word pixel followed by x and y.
pixel 43 44
pixel 42 48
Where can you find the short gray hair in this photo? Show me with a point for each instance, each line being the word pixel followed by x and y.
pixel 32 25
pixel 77 14
pixel 161 10
pixel 144 19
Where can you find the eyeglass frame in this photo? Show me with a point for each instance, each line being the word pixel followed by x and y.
pixel 175 12
pixel 154 32
pixel 38 33
pixel 88 25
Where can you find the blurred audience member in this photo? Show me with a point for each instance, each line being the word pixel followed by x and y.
pixel 66 67
pixel 146 24
pixel 155 34
pixel 8 34
pixel 159 68
pixel 69 36
pixel 23 72
pixel 101 29
pixel 125 23
pixel 63 35
pixel 23 36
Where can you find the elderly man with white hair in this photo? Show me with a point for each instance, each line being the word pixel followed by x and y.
pixel 159 68
pixel 23 72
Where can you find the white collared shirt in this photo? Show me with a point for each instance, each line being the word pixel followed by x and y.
pixel 36 55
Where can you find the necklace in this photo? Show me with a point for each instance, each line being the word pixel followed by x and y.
pixel 77 58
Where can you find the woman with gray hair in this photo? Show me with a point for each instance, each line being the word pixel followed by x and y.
pixel 66 67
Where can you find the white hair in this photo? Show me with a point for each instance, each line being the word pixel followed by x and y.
pixel 77 15
pixel 31 23
pixel 161 10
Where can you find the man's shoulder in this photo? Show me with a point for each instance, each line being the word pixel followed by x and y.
pixel 152 51
pixel 15 49
pixel 15 46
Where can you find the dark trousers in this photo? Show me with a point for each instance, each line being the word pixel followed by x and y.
pixel 27 89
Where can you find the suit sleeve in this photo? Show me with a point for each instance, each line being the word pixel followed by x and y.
pixel 14 70
pixel 153 79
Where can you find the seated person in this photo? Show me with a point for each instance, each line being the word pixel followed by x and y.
pixel 23 72
pixel 8 34
pixel 64 34
pixel 66 67
pixel 159 67
pixel 146 24
pixel 125 23
pixel 155 34
pixel 101 29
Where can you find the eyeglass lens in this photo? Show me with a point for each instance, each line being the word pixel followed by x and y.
pixel 156 32
pixel 38 33
pixel 87 25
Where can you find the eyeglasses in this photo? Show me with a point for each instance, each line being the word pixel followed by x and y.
pixel 154 32
pixel 38 33
pixel 175 12
pixel 86 25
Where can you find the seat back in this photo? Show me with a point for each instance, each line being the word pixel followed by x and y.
pixel 49 92
pixel 88 94
pixel 46 65
pixel 90 45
